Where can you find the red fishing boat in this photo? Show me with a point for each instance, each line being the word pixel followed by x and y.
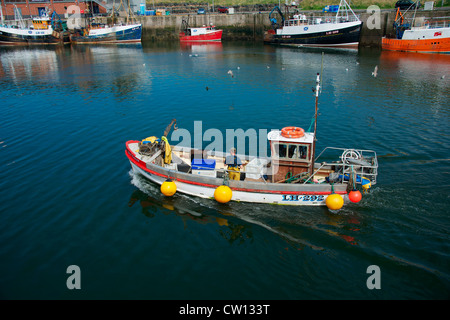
pixel 204 33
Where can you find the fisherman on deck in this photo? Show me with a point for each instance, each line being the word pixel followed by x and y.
pixel 234 165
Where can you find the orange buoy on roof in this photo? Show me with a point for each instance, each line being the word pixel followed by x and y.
pixel 292 132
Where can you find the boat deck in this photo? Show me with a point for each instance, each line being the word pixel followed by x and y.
pixel 259 169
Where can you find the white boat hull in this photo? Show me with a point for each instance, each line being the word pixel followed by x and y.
pixel 240 196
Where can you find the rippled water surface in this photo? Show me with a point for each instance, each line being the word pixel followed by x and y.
pixel 69 197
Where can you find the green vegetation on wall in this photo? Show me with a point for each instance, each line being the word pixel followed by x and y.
pixel 304 4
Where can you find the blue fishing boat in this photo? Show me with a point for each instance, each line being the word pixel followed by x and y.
pixel 100 33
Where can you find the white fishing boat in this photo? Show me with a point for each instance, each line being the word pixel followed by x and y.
pixel 341 30
pixel 45 29
pixel 291 175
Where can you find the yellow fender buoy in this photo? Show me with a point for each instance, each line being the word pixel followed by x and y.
pixel 334 201
pixel 168 188
pixel 223 194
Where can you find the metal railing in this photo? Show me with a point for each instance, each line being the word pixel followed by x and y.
pixel 362 163
pixel 314 20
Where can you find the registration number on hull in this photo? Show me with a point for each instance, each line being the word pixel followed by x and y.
pixel 296 197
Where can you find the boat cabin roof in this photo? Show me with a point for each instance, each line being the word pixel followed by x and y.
pixel 275 136
pixel 200 30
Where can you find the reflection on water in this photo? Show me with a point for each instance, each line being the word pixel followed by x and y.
pixel 92 70
pixel 418 63
pixel 237 219
pixel 29 64
pixel 153 203
pixel 201 47
pixel 425 73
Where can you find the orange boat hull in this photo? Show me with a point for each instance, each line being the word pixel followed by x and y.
pixel 441 45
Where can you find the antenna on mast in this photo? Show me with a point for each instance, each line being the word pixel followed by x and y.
pixel 316 91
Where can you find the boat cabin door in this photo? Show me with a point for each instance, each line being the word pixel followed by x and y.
pixel 290 156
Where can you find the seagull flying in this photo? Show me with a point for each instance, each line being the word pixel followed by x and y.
pixel 375 71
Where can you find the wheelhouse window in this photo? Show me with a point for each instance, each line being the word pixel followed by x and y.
pixel 290 151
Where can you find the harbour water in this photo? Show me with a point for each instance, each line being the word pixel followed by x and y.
pixel 68 196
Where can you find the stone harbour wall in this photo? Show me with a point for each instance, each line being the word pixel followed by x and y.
pixel 250 26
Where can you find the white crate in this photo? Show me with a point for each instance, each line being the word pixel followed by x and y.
pixel 254 168
pixel 206 173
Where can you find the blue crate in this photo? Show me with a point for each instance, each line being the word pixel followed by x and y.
pixel 203 164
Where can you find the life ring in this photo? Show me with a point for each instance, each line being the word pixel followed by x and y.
pixel 292 132
pixel 328 20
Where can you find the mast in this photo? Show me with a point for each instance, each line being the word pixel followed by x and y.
pixel 345 7
pixel 1 11
pixel 18 18
pixel 317 90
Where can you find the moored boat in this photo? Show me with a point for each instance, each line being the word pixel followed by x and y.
pixel 204 33
pixel 44 29
pixel 291 175
pixel 341 30
pixel 100 33
pixel 427 35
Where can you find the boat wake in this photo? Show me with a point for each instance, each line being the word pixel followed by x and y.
pixel 278 220
pixel 316 228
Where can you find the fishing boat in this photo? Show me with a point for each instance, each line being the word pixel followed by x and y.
pixel 427 35
pixel 45 29
pixel 98 33
pixel 341 30
pixel 101 33
pixel 204 33
pixel 291 175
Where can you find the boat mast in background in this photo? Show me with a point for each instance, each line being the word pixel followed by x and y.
pixel 345 7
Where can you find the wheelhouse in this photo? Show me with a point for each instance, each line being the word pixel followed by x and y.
pixel 290 156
